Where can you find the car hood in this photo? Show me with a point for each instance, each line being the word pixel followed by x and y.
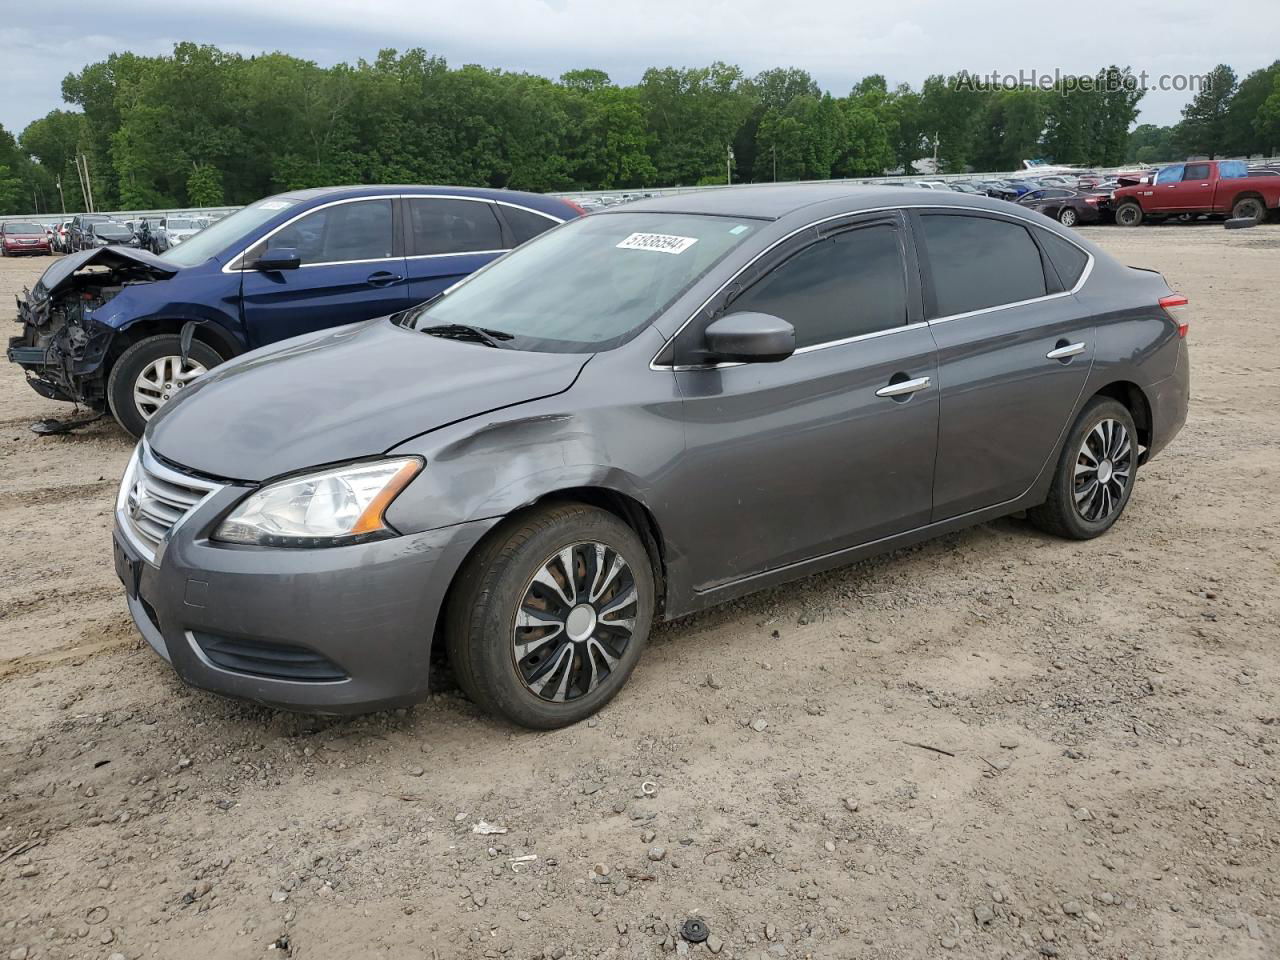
pixel 346 393
pixel 136 263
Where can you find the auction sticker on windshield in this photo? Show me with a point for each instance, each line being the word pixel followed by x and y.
pixel 657 242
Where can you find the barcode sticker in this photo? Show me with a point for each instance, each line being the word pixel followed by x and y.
pixel 657 243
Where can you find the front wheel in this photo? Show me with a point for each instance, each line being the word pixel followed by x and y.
pixel 549 617
pixel 1129 215
pixel 1095 473
pixel 150 374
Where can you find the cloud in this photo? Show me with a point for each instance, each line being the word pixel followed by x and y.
pixel 836 40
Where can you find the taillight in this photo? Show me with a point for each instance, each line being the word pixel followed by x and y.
pixel 1092 201
pixel 582 211
pixel 1174 305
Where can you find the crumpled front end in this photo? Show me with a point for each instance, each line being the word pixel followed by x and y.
pixel 61 347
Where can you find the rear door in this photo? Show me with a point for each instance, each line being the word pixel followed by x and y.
pixel 353 268
pixel 1014 351
pixel 1195 192
pixel 447 239
pixel 832 447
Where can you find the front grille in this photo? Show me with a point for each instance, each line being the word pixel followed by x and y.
pixel 154 498
pixel 262 658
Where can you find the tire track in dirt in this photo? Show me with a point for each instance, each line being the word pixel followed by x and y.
pixel 42 496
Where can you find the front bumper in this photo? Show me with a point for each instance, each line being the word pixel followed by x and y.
pixel 331 630
pixel 18 249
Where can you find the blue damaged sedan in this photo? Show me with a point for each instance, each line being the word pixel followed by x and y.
pixel 119 330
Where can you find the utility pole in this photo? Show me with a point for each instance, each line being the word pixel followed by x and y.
pixel 88 183
pixel 728 166
pixel 84 187
pixel 61 199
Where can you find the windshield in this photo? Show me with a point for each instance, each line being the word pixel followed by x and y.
pixel 23 228
pixel 111 230
pixel 589 285
pixel 226 233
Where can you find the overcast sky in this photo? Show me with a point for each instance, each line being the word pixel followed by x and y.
pixel 838 41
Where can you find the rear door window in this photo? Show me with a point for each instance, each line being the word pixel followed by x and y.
pixel 847 285
pixel 1196 171
pixel 445 225
pixel 525 224
pixel 980 262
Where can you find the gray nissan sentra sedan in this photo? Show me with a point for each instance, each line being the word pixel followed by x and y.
pixel 637 415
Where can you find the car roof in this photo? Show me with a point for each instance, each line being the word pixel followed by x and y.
pixel 777 202
pixel 379 189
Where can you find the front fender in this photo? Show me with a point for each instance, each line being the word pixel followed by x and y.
pixel 484 468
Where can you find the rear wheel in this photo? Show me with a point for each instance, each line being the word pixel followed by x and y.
pixel 1249 208
pixel 1129 214
pixel 150 374
pixel 1095 473
pixel 550 615
pixel 1068 217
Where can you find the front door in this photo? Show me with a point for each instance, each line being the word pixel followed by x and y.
pixel 353 268
pixel 832 447
pixel 1014 351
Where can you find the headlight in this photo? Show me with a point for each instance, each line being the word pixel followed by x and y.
pixel 344 505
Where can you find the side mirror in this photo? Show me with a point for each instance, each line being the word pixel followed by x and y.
pixel 750 338
pixel 278 258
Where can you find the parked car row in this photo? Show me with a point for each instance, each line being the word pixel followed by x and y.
pixel 551 431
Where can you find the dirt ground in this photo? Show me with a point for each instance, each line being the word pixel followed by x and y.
pixel 1108 711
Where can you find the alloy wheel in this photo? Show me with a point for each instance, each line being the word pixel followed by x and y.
pixel 575 621
pixel 1067 217
pixel 160 380
pixel 1104 465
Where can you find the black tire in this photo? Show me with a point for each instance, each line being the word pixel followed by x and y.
pixel 1129 214
pixel 480 623
pixel 1068 217
pixel 1249 208
pixel 130 364
pixel 1059 514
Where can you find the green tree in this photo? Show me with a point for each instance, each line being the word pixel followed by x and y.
pixel 1267 122
pixel 204 187
pixel 1242 135
pixel 1203 129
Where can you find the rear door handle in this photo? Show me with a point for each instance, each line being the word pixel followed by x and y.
pixel 1065 351
pixel 903 387
pixel 383 278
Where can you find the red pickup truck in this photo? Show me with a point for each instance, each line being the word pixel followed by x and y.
pixel 1202 186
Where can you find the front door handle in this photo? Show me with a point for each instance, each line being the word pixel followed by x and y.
pixel 1065 351
pixel 903 388
pixel 384 278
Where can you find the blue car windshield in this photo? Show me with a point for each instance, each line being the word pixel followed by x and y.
pixel 586 286
pixel 227 234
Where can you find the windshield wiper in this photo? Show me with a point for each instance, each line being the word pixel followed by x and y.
pixel 462 331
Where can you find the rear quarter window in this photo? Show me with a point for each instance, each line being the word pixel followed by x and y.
pixel 525 224
pixel 1068 260
pixel 980 262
